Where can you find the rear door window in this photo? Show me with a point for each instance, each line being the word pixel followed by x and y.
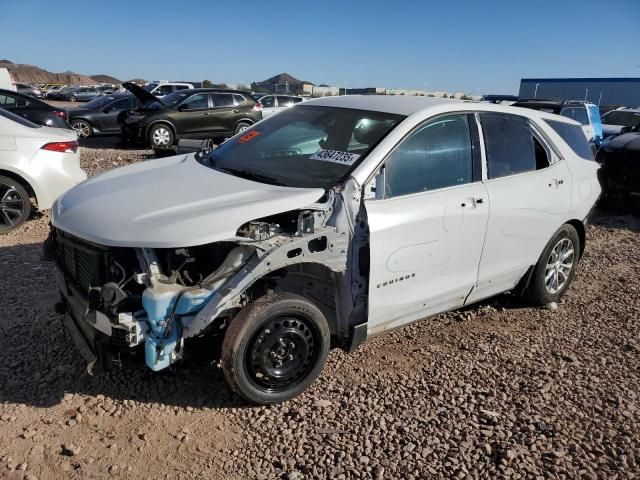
pixel 284 101
pixel 12 101
pixel 123 104
pixel 222 100
pixel 574 137
pixel 511 146
pixel 164 90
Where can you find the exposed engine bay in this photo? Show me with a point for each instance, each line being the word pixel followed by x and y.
pixel 155 299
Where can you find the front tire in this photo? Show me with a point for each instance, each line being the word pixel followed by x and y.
pixel 15 206
pixel 275 348
pixel 556 267
pixel 241 127
pixel 83 128
pixel 161 136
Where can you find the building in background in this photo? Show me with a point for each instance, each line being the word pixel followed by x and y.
pixel 601 91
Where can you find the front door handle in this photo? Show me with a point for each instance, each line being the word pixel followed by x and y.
pixel 235 110
pixel 207 113
pixel 472 202
pixel 556 182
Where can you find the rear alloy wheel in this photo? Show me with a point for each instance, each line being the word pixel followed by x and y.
pixel 556 267
pixel 83 128
pixel 275 348
pixel 161 136
pixel 241 127
pixel 15 206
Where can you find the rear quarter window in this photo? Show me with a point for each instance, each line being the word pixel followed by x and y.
pixel 574 137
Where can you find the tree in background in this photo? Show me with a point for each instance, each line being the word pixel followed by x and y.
pixel 207 84
pixel 242 87
pixel 223 86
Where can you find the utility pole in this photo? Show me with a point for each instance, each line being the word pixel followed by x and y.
pixel 535 93
pixel 586 94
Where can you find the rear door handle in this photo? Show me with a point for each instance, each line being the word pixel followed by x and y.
pixel 208 113
pixel 555 182
pixel 235 110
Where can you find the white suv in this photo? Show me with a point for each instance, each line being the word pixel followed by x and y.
pixel 160 89
pixel 328 223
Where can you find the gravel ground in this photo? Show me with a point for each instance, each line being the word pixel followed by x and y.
pixel 497 390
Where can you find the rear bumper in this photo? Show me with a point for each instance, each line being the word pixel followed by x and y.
pixel 54 173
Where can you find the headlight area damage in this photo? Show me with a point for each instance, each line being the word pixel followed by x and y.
pixel 118 300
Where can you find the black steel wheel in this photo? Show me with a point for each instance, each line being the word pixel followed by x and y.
pixel 15 206
pixel 275 348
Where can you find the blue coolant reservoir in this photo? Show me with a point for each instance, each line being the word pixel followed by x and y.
pixel 158 301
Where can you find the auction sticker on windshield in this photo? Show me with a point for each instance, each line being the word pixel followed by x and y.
pixel 335 156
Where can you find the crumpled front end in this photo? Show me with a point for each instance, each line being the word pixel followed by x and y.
pixel 123 301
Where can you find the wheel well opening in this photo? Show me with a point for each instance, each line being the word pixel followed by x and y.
pixel 313 281
pixel 582 234
pixel 22 181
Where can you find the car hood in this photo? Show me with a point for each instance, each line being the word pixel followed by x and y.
pixel 140 93
pixel 170 203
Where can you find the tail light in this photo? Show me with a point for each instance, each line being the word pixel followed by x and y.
pixel 257 106
pixel 62 147
pixel 61 114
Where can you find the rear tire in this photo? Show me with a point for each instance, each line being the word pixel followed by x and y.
pixel 275 348
pixel 556 267
pixel 161 136
pixel 83 128
pixel 15 205
pixel 240 127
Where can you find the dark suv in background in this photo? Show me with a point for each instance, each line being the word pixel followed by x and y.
pixel 198 113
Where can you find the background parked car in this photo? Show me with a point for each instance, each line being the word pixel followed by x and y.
pixel 272 104
pixel 188 113
pixel 28 90
pixel 103 115
pixel 53 91
pixel 44 164
pixel 34 110
pixel 585 113
pixel 81 94
pixel 618 121
pixel 61 93
pixel 160 89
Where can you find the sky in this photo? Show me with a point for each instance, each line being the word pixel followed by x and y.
pixel 472 46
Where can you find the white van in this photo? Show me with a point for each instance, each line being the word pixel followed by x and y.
pixel 6 80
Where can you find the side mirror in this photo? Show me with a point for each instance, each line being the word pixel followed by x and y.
pixel 182 108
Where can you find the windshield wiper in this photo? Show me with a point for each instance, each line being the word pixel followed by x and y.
pixel 249 175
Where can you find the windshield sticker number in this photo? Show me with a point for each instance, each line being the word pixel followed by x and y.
pixel 335 156
pixel 247 137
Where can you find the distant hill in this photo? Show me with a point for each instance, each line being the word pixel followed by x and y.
pixel 32 74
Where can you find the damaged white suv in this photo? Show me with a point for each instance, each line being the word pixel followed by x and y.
pixel 336 220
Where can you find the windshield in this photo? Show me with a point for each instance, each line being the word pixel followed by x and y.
pixel 99 102
pixel 304 146
pixel 623 118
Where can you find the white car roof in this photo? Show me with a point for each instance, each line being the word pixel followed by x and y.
pixel 409 105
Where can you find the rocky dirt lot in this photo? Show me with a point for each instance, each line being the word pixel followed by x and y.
pixel 497 390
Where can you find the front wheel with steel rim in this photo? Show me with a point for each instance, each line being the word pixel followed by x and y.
pixel 15 206
pixel 161 136
pixel 275 348
pixel 82 127
pixel 556 267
